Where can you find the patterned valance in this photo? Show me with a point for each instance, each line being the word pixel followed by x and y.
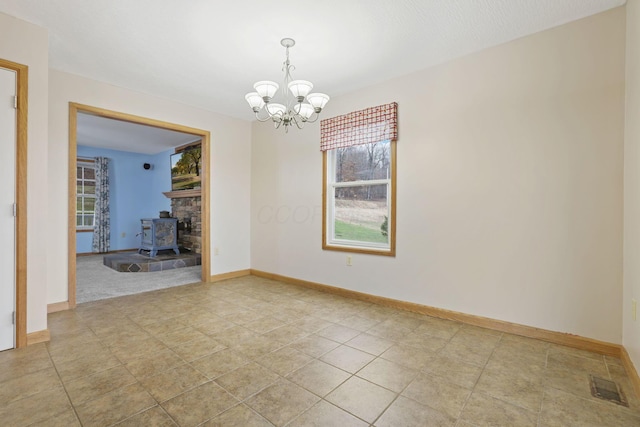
pixel 366 126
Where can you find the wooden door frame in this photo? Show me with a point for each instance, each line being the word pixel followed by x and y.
pixel 74 109
pixel 22 77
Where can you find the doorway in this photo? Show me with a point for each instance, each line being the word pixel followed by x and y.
pixel 13 203
pixel 74 110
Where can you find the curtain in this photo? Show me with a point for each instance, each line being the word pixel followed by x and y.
pixel 101 227
pixel 366 126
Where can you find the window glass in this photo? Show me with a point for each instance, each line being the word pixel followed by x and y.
pixel 358 207
pixel 360 214
pixel 362 162
pixel 85 195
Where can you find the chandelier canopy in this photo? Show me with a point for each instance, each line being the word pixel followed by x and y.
pixel 294 110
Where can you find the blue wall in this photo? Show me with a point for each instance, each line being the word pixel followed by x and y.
pixel 135 193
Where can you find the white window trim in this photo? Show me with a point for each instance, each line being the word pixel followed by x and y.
pixel 84 164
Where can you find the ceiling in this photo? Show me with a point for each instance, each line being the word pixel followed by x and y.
pixel 95 131
pixel 208 53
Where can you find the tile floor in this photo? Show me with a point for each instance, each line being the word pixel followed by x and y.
pixel 254 352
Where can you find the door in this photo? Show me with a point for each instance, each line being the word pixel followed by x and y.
pixel 7 203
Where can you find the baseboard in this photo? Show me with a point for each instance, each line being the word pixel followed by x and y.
pixel 57 306
pixel 106 253
pixel 229 275
pixel 38 337
pixel 561 338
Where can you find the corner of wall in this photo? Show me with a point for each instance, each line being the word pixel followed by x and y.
pixel 631 230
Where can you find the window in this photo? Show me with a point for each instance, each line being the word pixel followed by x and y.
pixel 85 195
pixel 359 181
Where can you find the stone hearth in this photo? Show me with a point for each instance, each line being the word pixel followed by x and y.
pixel 133 262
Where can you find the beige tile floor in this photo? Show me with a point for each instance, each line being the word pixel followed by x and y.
pixel 254 352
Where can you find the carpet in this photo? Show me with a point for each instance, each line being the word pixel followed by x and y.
pixel 95 281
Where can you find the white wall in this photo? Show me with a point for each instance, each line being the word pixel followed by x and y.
pixel 229 163
pixel 27 44
pixel 631 290
pixel 509 185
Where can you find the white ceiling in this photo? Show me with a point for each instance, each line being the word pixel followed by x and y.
pixel 95 131
pixel 208 53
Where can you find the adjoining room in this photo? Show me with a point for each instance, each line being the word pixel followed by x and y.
pixel 153 223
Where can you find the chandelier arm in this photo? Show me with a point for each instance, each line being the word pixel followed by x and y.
pixel 269 117
pixel 315 116
pixel 298 124
pixel 298 104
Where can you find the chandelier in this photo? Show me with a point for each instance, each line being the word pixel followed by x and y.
pixel 294 110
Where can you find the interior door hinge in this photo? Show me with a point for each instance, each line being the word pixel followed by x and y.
pixel 15 210
pixel 14 318
pixel 15 102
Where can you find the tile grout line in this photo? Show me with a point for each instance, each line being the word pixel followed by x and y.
pixel 64 387
pixel 458 419
pixel 420 371
pixel 546 364
pixel 322 398
pixel 604 359
pixel 464 405
pixel 123 364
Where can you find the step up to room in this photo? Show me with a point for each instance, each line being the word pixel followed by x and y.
pixel 132 262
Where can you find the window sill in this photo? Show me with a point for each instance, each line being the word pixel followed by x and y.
pixel 360 250
pixel 84 230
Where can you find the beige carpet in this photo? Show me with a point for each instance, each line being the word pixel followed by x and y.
pixel 95 281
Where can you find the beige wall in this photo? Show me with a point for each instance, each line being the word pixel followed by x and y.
pixel 229 163
pixel 509 181
pixel 27 44
pixel 509 185
pixel 631 289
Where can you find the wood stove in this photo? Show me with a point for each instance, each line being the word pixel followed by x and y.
pixel 159 234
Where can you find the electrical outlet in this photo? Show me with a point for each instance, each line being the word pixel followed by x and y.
pixel 634 305
pixel 124 234
pixel 349 261
pixel 216 251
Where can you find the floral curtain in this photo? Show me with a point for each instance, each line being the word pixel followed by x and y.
pixel 101 227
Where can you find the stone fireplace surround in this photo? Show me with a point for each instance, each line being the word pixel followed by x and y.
pixel 186 206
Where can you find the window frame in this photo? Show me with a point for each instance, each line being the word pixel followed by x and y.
pixel 328 203
pixel 90 164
